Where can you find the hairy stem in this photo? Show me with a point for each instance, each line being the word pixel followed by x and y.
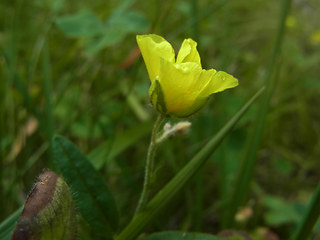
pixel 149 164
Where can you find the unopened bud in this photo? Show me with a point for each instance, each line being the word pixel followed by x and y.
pixel 49 211
pixel 179 128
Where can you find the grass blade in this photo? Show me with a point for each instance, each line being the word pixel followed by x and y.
pixel 244 176
pixel 310 219
pixel 8 225
pixel 164 196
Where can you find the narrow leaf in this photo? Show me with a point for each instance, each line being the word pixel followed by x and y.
pixel 166 194
pixel 310 218
pixel 93 199
pixel 244 175
pixel 8 225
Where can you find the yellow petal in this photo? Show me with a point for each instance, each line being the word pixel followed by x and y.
pixel 188 52
pixel 217 82
pixel 153 48
pixel 195 107
pixel 205 79
pixel 177 82
pixel 200 99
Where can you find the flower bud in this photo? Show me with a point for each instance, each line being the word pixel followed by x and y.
pixel 49 211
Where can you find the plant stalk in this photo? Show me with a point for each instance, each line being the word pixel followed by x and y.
pixel 170 190
pixel 149 164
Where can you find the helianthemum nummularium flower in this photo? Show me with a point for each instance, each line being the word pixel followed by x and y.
pixel 179 85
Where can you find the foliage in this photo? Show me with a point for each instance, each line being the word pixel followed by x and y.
pixel 72 68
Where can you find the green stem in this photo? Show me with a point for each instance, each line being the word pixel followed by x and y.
pixel 310 219
pixel 149 164
pixel 171 189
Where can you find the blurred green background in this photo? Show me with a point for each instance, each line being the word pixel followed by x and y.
pixel 73 68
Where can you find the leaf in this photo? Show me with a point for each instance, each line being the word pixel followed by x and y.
pixel 93 198
pixel 310 218
pixel 182 236
pixel 8 225
pixel 100 34
pixel 120 23
pixel 122 141
pixel 49 212
pixel 169 191
pixel 280 212
pixel 283 166
pixel 244 175
pixel 123 21
pixel 82 24
pixel 117 27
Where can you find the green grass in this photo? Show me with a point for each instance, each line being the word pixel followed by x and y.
pixel 62 72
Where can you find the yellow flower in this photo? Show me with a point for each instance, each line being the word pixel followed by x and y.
pixel 179 85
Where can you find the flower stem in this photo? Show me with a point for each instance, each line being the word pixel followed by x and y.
pixel 149 164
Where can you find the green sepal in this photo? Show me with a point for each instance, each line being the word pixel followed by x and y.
pixel 157 97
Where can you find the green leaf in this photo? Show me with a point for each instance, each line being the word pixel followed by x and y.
pixel 102 34
pixel 8 225
pixel 280 212
pixel 310 218
pixel 130 22
pixel 182 236
pixel 82 24
pixel 283 166
pixel 123 21
pixel 122 141
pixel 120 23
pixel 166 194
pixel 93 198
pixel 117 27
pixel 244 175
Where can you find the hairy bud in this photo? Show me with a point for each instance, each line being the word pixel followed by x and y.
pixel 49 211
